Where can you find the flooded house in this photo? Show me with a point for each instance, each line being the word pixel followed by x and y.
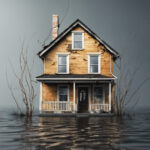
pixel 77 71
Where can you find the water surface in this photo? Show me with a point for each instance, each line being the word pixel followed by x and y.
pixel 82 133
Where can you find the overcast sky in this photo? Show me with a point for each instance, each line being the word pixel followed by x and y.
pixel 123 24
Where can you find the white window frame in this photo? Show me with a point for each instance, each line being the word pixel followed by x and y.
pixel 63 54
pixel 62 85
pixel 102 91
pixel 73 40
pixel 99 63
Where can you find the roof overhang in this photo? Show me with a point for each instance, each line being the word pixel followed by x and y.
pixel 85 78
pixel 74 79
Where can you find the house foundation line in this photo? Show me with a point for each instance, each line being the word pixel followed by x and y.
pixel 109 96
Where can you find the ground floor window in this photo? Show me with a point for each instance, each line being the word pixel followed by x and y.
pixel 63 93
pixel 98 93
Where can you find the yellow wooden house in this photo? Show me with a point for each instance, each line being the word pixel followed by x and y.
pixel 77 71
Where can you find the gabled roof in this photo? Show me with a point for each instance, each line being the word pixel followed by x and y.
pixel 70 28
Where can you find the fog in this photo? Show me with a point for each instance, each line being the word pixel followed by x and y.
pixel 123 24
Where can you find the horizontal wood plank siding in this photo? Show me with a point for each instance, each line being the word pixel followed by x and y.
pixel 49 92
pixel 78 59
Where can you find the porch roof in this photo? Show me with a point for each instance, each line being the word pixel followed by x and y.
pixel 74 77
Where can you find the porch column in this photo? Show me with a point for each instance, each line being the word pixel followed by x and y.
pixel 109 96
pixel 74 96
pixel 40 101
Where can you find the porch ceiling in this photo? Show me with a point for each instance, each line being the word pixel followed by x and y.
pixel 73 77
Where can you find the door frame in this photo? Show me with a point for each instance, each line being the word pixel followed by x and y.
pixel 89 95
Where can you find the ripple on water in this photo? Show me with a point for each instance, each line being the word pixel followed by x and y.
pixel 106 133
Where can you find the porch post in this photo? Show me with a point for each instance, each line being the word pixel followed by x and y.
pixel 109 96
pixel 40 101
pixel 74 96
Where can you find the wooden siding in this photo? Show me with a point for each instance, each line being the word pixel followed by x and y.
pixel 49 92
pixel 78 59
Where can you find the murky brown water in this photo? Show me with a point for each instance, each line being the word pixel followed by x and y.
pixel 102 133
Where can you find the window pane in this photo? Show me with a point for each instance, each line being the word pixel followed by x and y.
pixel 77 36
pixel 62 60
pixel 78 44
pixel 98 99
pixel 94 68
pixel 63 90
pixel 62 69
pixel 98 90
pixel 63 97
pixel 94 60
pixel 63 93
pixel 98 95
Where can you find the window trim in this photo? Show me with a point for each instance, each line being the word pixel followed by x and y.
pixel 63 54
pixel 94 86
pixel 61 85
pixel 99 63
pixel 73 40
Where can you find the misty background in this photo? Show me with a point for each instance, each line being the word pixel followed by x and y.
pixel 123 24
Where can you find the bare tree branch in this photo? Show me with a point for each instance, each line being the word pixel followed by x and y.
pixel 25 83
pixel 124 93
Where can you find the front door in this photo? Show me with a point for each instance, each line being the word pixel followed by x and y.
pixel 82 99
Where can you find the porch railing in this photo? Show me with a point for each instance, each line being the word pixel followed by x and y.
pixel 57 106
pixel 100 107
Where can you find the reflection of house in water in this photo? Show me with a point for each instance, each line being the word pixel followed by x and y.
pixel 77 71
pixel 75 133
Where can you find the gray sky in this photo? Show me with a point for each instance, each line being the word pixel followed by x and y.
pixel 124 24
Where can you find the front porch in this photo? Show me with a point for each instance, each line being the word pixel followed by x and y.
pixel 93 98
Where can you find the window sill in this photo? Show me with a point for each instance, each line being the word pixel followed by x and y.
pixel 77 49
pixel 62 73
pixel 94 73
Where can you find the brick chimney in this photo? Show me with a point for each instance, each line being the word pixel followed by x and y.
pixel 55 24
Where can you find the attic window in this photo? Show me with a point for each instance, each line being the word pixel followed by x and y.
pixel 77 40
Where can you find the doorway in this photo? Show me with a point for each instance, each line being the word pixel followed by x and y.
pixel 83 99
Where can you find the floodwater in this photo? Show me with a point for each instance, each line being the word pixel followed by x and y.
pixel 82 133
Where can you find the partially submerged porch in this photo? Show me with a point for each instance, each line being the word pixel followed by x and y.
pixel 76 95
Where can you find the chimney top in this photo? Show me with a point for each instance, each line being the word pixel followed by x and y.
pixel 55 23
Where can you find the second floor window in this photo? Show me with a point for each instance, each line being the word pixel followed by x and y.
pixel 63 63
pixel 77 40
pixel 94 63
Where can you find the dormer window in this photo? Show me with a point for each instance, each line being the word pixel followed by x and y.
pixel 77 40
